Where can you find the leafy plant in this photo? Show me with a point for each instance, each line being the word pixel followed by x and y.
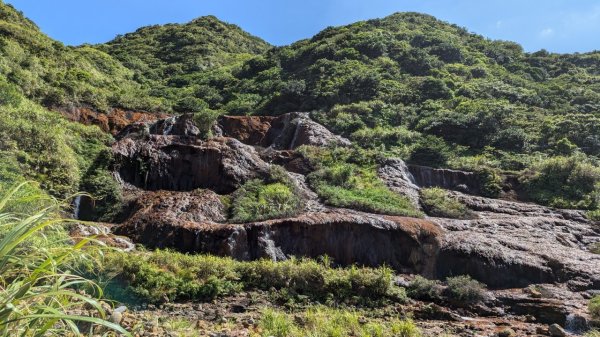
pixel 260 200
pixel 37 294
pixel 438 202
pixel 421 288
pixel 464 290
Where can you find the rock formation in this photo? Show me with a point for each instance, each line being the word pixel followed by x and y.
pixel 285 132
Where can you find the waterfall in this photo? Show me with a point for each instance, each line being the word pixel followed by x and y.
pixel 76 206
pixel 405 173
pixel 168 125
pixel 576 324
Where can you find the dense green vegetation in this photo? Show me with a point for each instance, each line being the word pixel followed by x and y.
pixel 438 202
pixel 168 276
pixel 40 145
pixel 188 66
pixel 37 290
pixel 406 85
pixel 333 322
pixel 567 182
pixel 277 197
pixel 347 178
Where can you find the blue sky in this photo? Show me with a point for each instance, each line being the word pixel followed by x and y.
pixel 556 25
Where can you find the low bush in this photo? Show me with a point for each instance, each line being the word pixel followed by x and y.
pixel 593 215
pixel 594 308
pixel 438 202
pixel 351 186
pixel 169 276
pixel 205 120
pixel 321 321
pixel 424 289
pixel 564 182
pixel 260 200
pixel 464 290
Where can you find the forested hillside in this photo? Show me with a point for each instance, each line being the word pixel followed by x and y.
pixel 393 177
pixel 407 85
pixel 412 86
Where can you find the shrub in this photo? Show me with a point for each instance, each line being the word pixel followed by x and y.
pixel 565 182
pixel 169 276
pixel 438 202
pixel 205 120
pixel 260 200
pixel 594 307
pixel 593 215
pixel 431 151
pixel 424 289
pixel 464 290
pixel 38 292
pixel 348 185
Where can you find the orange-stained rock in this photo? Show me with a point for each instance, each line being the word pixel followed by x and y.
pixel 284 132
pixel 251 130
pixel 348 237
pixel 113 121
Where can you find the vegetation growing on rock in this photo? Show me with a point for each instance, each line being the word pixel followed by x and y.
pixel 438 202
pixel 345 178
pixel 256 200
pixel 168 276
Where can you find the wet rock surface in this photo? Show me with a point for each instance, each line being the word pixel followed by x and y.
pixel 179 163
pixel 445 178
pixel 285 132
pixel 348 237
pixel 113 121
pixel 175 182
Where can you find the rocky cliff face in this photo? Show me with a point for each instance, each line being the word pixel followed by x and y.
pixel 174 182
pixel 285 132
pixel 113 122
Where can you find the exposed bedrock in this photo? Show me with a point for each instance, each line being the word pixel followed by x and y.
pixel 508 244
pixel 113 121
pixel 445 178
pixel 405 244
pixel 515 244
pixel 284 132
pixel 183 164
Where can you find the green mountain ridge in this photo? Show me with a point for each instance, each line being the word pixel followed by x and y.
pixel 407 85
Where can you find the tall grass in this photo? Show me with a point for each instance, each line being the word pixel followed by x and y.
pixel 38 295
pixel 327 322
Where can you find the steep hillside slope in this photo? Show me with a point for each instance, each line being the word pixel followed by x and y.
pixel 186 64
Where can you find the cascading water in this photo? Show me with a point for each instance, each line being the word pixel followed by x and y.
pixel 168 126
pixel 576 324
pixel 76 206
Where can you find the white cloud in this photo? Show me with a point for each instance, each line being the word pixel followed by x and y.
pixel 547 32
pixel 499 24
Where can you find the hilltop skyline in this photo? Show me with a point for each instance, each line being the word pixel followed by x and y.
pixel 558 26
